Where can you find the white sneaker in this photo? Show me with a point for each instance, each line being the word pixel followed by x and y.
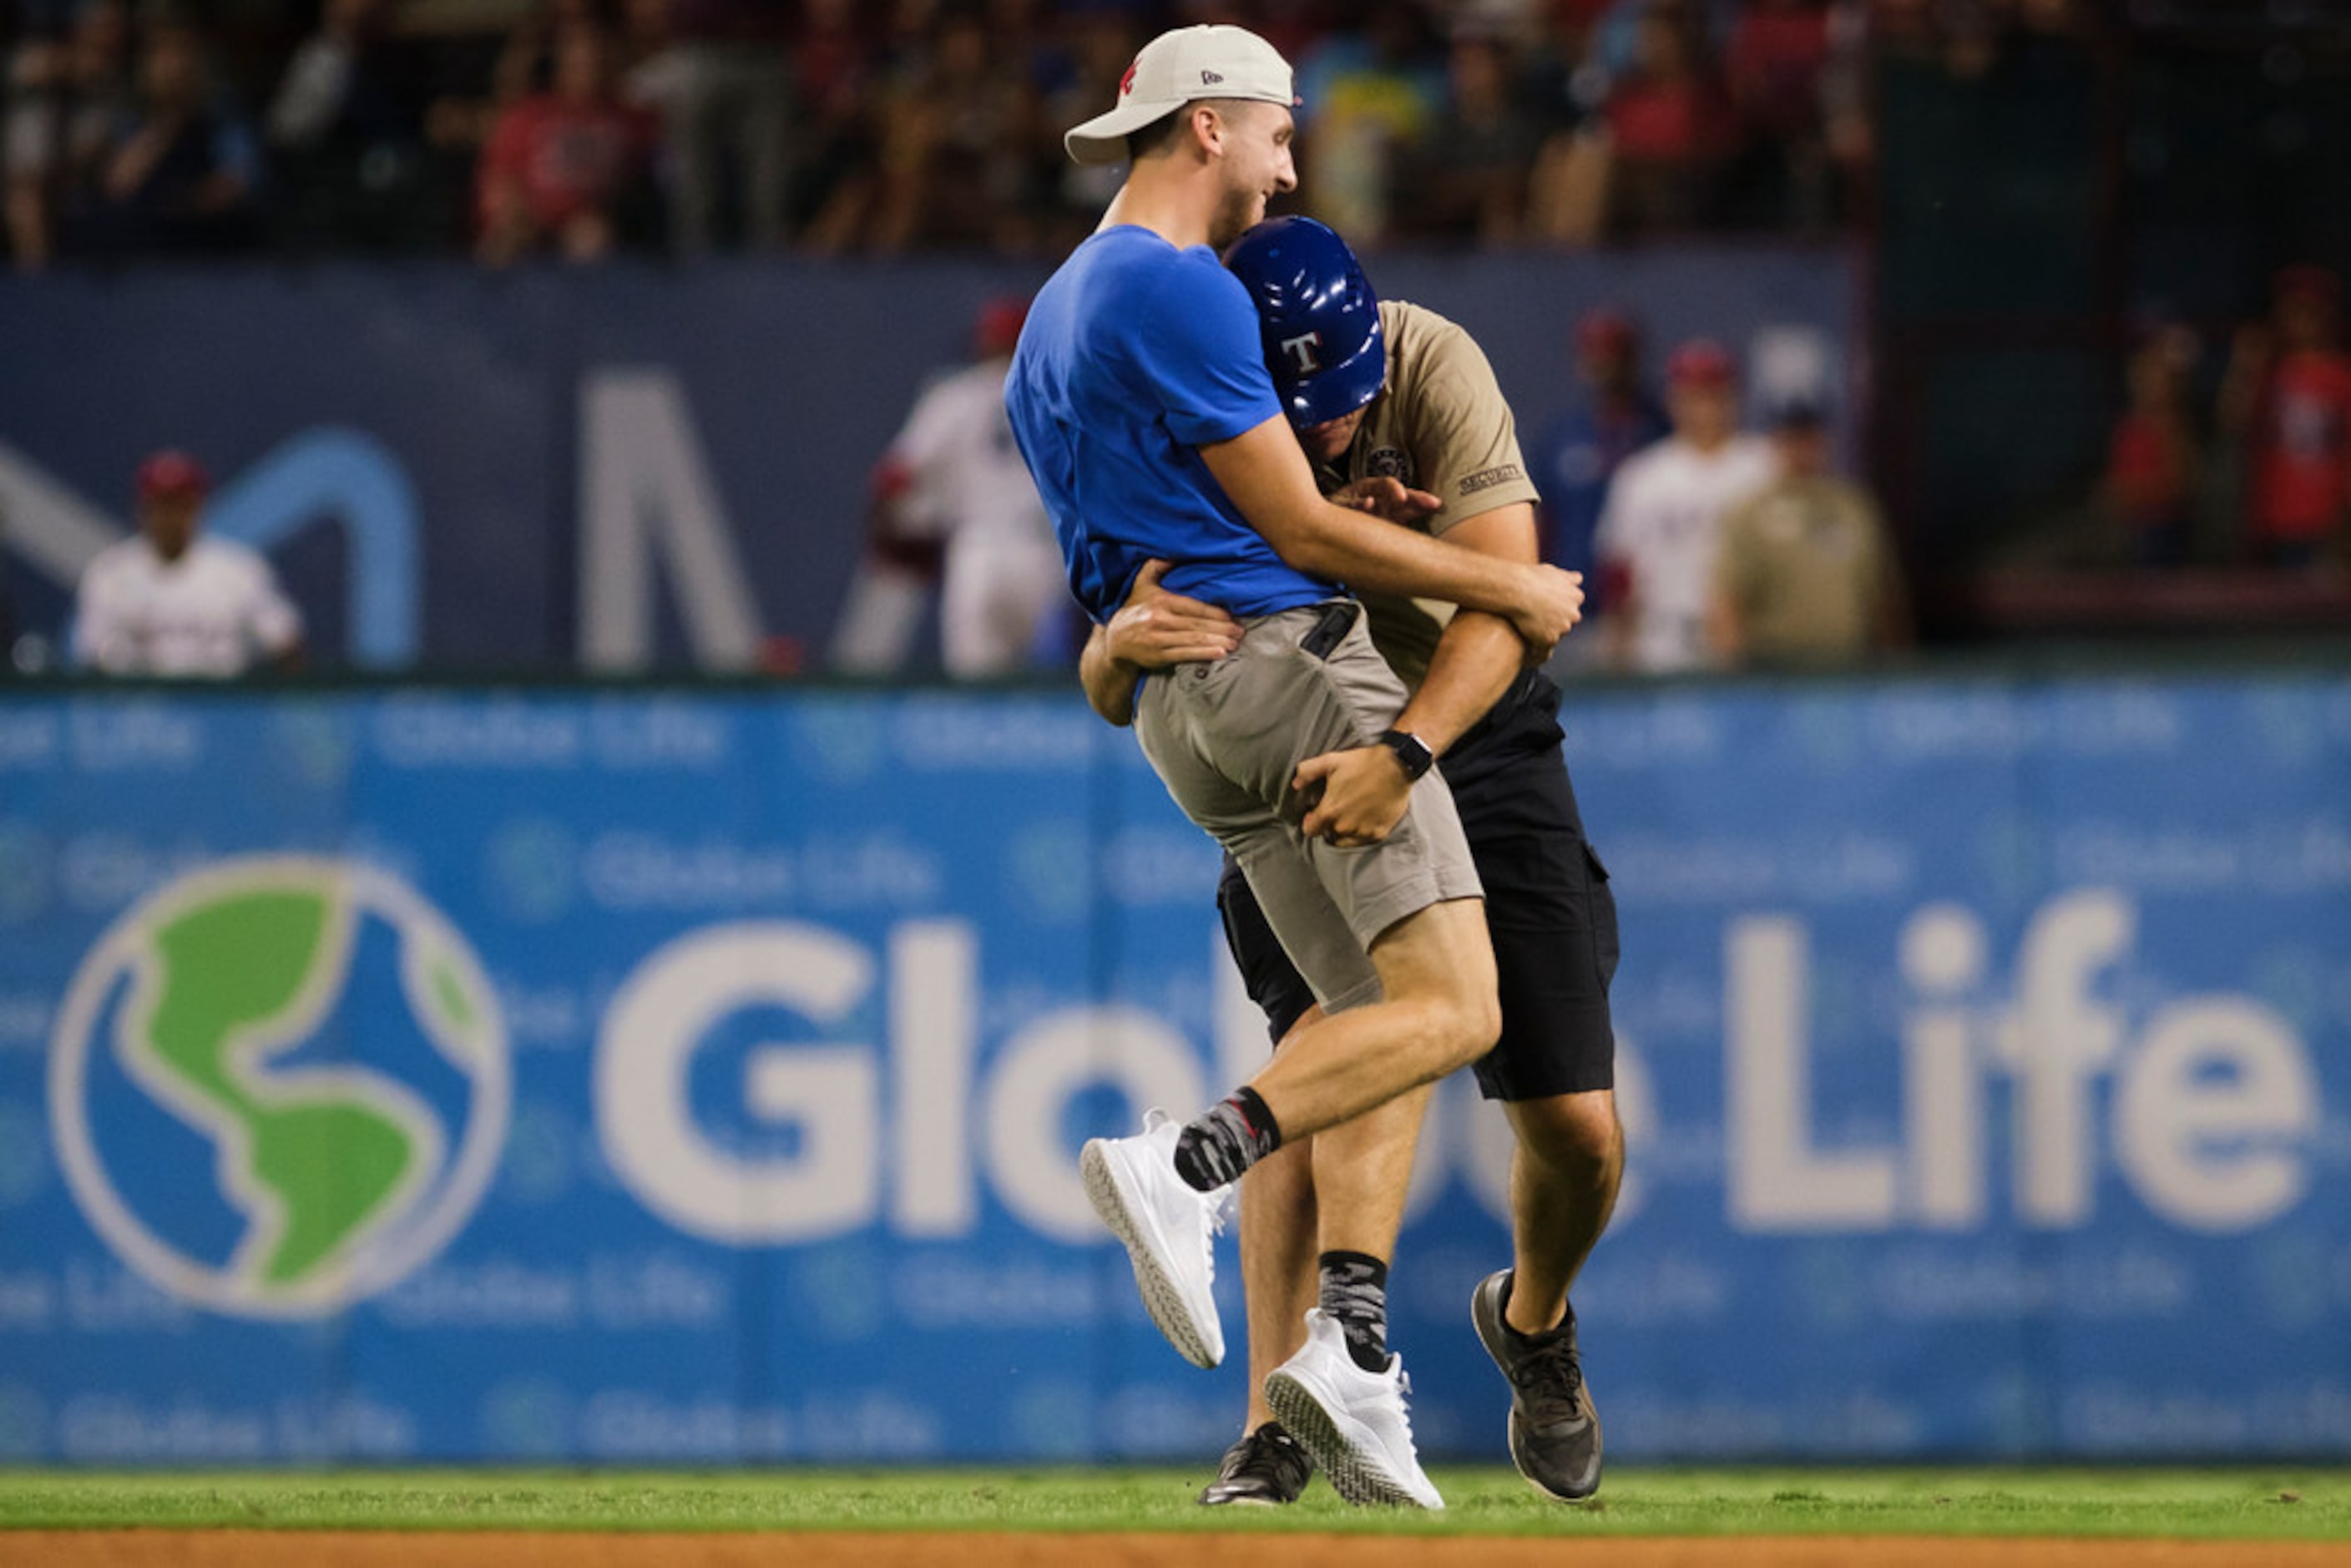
pixel 1352 1421
pixel 1167 1228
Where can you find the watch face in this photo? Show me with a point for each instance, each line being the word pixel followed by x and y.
pixel 1410 750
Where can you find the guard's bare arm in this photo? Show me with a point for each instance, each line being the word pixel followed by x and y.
pixel 1264 474
pixel 1480 655
pixel 1153 630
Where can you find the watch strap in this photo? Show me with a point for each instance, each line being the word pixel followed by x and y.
pixel 1412 753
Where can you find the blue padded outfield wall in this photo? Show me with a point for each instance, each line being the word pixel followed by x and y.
pixel 633 467
pixel 703 1075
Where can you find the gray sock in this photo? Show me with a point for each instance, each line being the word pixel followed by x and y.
pixel 1356 1292
pixel 1226 1140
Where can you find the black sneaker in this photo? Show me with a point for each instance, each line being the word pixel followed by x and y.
pixel 1554 1430
pixel 1266 1468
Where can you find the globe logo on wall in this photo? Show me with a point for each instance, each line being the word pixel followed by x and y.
pixel 279 1084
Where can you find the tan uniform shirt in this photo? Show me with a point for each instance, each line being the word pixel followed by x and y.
pixel 1440 423
pixel 1806 564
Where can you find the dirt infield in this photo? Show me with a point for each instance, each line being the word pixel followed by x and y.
pixel 394 1549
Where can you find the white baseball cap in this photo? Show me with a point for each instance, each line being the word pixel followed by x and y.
pixel 1175 68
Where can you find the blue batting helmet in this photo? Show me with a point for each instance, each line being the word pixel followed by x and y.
pixel 1317 315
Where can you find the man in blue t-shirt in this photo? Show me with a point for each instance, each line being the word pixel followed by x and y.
pixel 1142 405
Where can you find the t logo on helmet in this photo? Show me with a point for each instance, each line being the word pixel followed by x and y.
pixel 1301 352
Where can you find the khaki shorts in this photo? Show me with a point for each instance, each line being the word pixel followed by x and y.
pixel 1227 737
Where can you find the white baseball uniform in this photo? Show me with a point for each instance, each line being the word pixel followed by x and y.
pixel 209 612
pixel 1661 525
pixel 967 484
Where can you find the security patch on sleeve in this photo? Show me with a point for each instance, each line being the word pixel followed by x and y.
pixel 1486 479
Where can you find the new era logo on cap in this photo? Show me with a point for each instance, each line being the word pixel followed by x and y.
pixel 1210 79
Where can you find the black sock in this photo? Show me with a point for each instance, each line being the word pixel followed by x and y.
pixel 1228 1138
pixel 1565 1324
pixel 1356 1292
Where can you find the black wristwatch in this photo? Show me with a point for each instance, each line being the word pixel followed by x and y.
pixel 1412 753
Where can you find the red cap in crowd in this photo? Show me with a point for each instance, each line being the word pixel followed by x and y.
pixel 172 472
pixel 997 330
pixel 1701 362
pixel 1601 334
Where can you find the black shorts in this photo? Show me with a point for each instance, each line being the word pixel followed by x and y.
pixel 1548 909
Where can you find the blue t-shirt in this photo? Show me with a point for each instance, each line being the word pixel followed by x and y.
pixel 1135 355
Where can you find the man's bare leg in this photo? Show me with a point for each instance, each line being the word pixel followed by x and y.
pixel 1278 1245
pixel 1365 1166
pixel 1359 1084
pixel 1270 1466
pixel 1564 1176
pixel 1343 1191
pixel 1340 1395
pixel 1438 1012
pixel 1363 1169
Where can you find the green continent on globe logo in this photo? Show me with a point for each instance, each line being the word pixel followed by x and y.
pixel 236 967
pixel 345 1177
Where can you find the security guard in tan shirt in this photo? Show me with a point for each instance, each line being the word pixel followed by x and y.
pixel 1804 575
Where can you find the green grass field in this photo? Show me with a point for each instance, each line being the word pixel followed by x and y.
pixel 2281 1504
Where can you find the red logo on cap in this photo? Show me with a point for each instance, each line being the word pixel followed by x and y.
pixel 1126 82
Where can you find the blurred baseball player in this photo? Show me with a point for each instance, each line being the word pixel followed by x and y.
pixel 954 503
pixel 1142 404
pixel 1658 530
pixel 1397 397
pixel 175 602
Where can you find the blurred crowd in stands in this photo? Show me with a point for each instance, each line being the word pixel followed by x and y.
pixel 568 130
pixel 576 127
pixel 2253 466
